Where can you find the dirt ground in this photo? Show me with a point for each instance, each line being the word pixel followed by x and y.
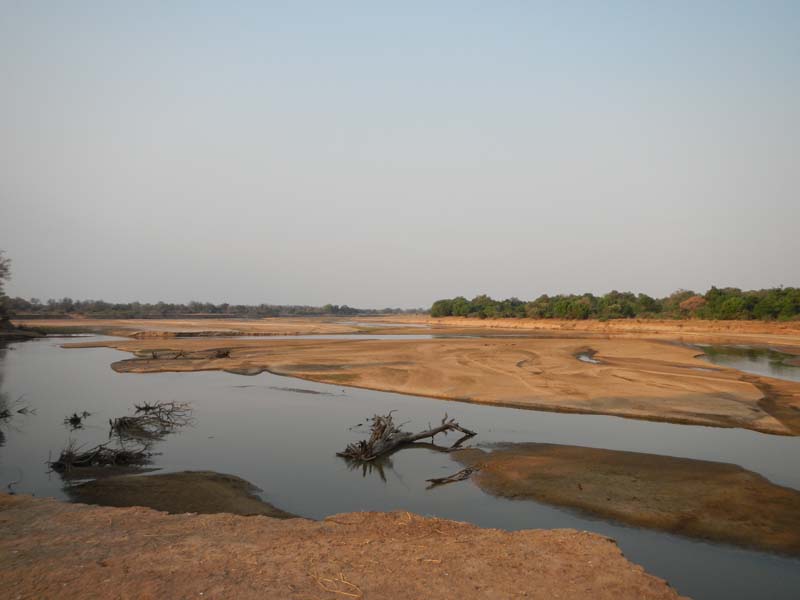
pixel 635 378
pixel 203 492
pixel 55 550
pixel 709 500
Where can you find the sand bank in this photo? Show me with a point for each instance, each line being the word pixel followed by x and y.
pixel 709 500
pixel 634 377
pixel 144 328
pixel 782 329
pixel 203 492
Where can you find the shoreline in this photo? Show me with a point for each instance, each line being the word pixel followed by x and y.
pixel 656 380
pixel 55 549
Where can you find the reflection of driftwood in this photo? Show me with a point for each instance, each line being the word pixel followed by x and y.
pixel 378 467
pixel 383 464
pixel 385 437
pixel 17 407
pixel 73 457
pixel 460 476
pixel 152 421
pixel 75 420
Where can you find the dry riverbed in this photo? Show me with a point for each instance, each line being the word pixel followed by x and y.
pixel 58 550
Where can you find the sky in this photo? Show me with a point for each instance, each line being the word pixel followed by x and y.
pixel 389 154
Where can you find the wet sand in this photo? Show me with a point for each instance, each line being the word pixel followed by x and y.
pixel 58 550
pixel 634 378
pixel 702 499
pixel 203 492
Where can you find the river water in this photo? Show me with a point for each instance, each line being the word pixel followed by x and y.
pixel 282 433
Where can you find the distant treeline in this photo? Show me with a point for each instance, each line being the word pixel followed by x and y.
pixel 726 303
pixel 98 309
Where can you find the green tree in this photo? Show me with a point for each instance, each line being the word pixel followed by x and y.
pixel 5 275
pixel 442 308
pixel 460 307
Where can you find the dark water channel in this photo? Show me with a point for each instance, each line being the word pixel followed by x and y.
pixel 282 434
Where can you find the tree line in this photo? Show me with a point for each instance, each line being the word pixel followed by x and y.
pixel 67 307
pixel 5 275
pixel 781 303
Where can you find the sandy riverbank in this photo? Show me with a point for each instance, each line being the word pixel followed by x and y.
pixel 635 378
pixel 639 326
pixel 784 335
pixel 145 328
pixel 57 550
pixel 709 500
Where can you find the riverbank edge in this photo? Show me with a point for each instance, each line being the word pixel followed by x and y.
pixel 56 549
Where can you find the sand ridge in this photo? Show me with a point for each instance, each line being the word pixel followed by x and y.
pixel 635 377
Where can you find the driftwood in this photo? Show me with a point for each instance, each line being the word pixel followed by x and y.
pixel 152 421
pixel 162 354
pixel 460 476
pixel 176 354
pixel 386 437
pixel 75 420
pixel 73 457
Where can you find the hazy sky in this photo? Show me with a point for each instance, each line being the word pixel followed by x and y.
pixel 376 153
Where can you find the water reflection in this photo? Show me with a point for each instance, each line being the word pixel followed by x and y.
pixel 377 467
pixel 760 361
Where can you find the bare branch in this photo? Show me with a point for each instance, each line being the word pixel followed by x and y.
pixel 385 437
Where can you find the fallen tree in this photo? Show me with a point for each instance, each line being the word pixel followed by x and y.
pixel 386 437
pixel 152 421
pixel 73 456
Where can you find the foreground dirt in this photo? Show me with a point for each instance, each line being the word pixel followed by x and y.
pixel 203 492
pixel 635 378
pixel 708 500
pixel 56 550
